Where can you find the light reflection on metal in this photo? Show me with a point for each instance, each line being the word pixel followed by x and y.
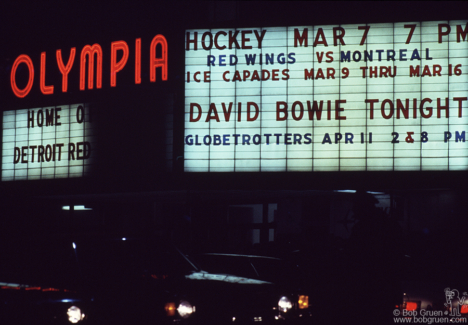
pixel 17 286
pixel 6 284
pixel 223 277
pixel 10 287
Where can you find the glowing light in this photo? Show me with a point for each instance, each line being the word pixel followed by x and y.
pixel 117 66
pixel 65 69
pixel 23 58
pixel 74 246
pixel 33 288
pixel 76 208
pixel 89 51
pixel 464 309
pixel 46 90
pixel 411 306
pixel 50 289
pixel 81 208
pixel 75 315
pixel 363 118
pixel 68 300
pixel 158 62
pixel 303 302
pixel 284 304
pixel 170 309
pixel 138 61
pixel 185 309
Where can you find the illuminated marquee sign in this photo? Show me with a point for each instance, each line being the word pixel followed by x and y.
pixel 386 97
pixel 88 57
pixel 48 142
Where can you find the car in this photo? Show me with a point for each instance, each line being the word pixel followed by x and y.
pixel 147 281
pixel 32 304
pixel 39 283
pixel 288 295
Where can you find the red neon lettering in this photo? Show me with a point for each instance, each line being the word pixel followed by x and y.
pixel 65 69
pixel 21 93
pixel 117 66
pixel 138 61
pixel 158 62
pixel 90 51
pixel 46 90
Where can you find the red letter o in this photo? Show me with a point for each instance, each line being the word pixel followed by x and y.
pixel 23 58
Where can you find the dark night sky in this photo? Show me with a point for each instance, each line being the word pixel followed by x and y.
pixel 27 25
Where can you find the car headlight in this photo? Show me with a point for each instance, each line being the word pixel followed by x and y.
pixel 185 309
pixel 285 304
pixel 75 315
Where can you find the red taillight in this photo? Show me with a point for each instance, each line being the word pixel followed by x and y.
pixel 411 306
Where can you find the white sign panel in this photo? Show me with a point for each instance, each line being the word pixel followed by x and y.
pixel 364 97
pixel 47 142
